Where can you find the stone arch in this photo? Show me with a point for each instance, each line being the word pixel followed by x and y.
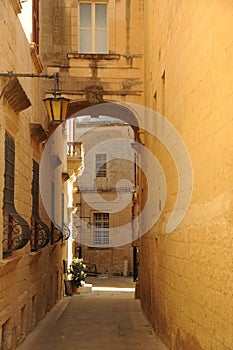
pixel 111 109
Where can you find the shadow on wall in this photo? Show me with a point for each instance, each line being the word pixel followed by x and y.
pixel 186 342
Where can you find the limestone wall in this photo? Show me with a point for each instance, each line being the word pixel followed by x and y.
pixel 114 76
pixel 30 282
pixel 111 261
pixel 186 276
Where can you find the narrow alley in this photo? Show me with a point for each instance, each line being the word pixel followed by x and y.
pixel 116 160
pixel 107 318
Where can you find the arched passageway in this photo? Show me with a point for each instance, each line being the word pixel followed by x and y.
pixel 111 109
pixel 112 142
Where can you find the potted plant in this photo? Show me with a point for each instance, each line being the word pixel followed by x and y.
pixel 77 270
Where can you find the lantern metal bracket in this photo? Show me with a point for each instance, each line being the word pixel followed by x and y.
pixel 56 106
pixel 11 74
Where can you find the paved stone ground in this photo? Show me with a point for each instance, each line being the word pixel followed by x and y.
pixel 107 319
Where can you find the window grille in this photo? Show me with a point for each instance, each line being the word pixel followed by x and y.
pixel 93 32
pixel 58 233
pixel 16 231
pixel 101 165
pixel 101 229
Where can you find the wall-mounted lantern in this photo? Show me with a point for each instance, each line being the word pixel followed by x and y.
pixel 56 106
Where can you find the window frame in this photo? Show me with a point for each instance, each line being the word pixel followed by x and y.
pixel 101 236
pixel 40 233
pixel 93 28
pixel 16 231
pixel 101 165
pixel 36 24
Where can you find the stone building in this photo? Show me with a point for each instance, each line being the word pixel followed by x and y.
pixel 31 248
pixel 186 280
pixel 96 49
pixel 181 68
pixel 173 57
pixel 103 200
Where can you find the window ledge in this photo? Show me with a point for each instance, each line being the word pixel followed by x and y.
pixel 8 264
pixel 52 248
pixel 34 256
pixel 94 56
pixel 96 247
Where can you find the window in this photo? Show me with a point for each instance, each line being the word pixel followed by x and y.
pixel 40 235
pixel 35 24
pixel 101 229
pixel 163 94
pixel 52 200
pixel 155 101
pixel 9 194
pixel 101 165
pixel 9 171
pixel 93 33
pixel 16 231
pixel 62 232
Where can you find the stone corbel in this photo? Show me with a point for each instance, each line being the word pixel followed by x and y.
pixel 94 94
pixel 15 95
pixel 38 134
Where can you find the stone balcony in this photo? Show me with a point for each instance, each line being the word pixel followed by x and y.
pixel 74 158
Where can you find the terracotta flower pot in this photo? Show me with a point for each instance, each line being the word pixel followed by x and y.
pixel 75 289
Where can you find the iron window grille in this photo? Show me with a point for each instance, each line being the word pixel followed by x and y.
pixel 101 165
pixel 101 229
pixel 65 232
pixel 40 233
pixel 58 233
pixel 16 231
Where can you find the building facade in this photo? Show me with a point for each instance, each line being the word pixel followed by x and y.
pixel 103 205
pixel 32 249
pixel 186 280
pixel 110 66
pixel 182 69
pixel 95 48
pixel 175 58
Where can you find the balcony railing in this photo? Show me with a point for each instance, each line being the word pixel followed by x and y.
pixel 74 149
